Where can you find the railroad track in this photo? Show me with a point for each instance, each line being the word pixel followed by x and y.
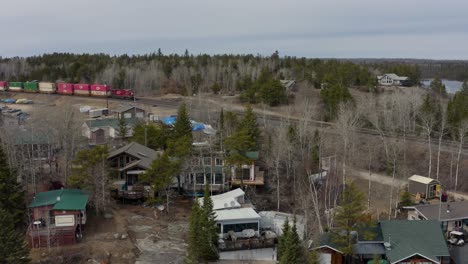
pixel 448 145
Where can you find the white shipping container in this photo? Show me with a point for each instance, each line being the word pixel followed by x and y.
pixel 47 87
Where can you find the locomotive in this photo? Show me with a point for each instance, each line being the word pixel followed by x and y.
pixel 81 89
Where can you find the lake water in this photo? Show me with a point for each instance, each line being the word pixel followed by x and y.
pixel 452 86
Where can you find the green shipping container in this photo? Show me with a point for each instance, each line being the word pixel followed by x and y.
pixel 31 87
pixel 15 84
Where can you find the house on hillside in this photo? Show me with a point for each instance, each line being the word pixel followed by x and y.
pixel 248 174
pixel 129 111
pixel 58 217
pixel 101 131
pixel 414 242
pixel 129 162
pixel 207 167
pixel 368 243
pixel 427 188
pixel 453 216
pixel 391 79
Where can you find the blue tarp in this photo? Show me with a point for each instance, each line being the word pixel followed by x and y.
pixel 197 126
pixel 170 121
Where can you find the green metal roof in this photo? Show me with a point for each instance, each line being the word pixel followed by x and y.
pixel 411 237
pixel 253 155
pixel 64 199
pixel 45 198
pixel 109 122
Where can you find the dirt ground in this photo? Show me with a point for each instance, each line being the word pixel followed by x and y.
pixel 48 102
pixel 134 234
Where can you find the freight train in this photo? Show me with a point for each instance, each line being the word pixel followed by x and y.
pixel 82 89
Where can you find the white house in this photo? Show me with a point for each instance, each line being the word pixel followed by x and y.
pixel 237 220
pixel 391 79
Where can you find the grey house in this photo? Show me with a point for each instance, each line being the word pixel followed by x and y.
pixel 452 215
pixel 427 187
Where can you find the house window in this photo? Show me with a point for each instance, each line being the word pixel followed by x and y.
pixel 219 162
pixel 127 159
pixel 240 227
pixel 209 178
pixel 219 178
pixel 121 162
pixel 207 161
pixel 200 177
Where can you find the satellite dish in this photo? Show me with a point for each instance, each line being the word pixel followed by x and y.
pixel 160 207
pixel 226 205
pixel 233 203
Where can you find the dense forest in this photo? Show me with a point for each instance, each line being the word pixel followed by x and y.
pixel 157 73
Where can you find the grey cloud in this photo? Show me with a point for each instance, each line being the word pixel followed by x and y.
pixel 360 28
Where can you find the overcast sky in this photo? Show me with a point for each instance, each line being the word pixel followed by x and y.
pixel 344 29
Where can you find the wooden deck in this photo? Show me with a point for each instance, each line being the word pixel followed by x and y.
pixel 259 180
pixel 51 236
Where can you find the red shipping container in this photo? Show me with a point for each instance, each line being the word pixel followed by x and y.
pixel 3 85
pixel 64 88
pixel 81 89
pixel 100 90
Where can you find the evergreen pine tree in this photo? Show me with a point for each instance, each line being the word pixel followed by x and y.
pixel 405 199
pixel 249 124
pixel 347 216
pixel 12 195
pixel 13 248
pixel 297 250
pixel 282 240
pixel 194 251
pixel 122 131
pixel 182 126
pixel 209 239
pixel 291 246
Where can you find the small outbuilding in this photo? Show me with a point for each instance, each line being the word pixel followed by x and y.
pixel 129 111
pixel 427 187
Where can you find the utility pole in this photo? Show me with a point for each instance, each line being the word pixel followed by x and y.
pixel 146 139
pixel 107 96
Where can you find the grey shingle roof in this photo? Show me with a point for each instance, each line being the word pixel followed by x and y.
pixel 124 108
pixel 456 211
pixel 144 154
pixel 408 238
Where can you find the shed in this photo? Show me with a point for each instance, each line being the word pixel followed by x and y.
pixel 129 111
pixel 428 187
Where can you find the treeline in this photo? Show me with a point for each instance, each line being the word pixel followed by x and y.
pixel 446 69
pixel 158 73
